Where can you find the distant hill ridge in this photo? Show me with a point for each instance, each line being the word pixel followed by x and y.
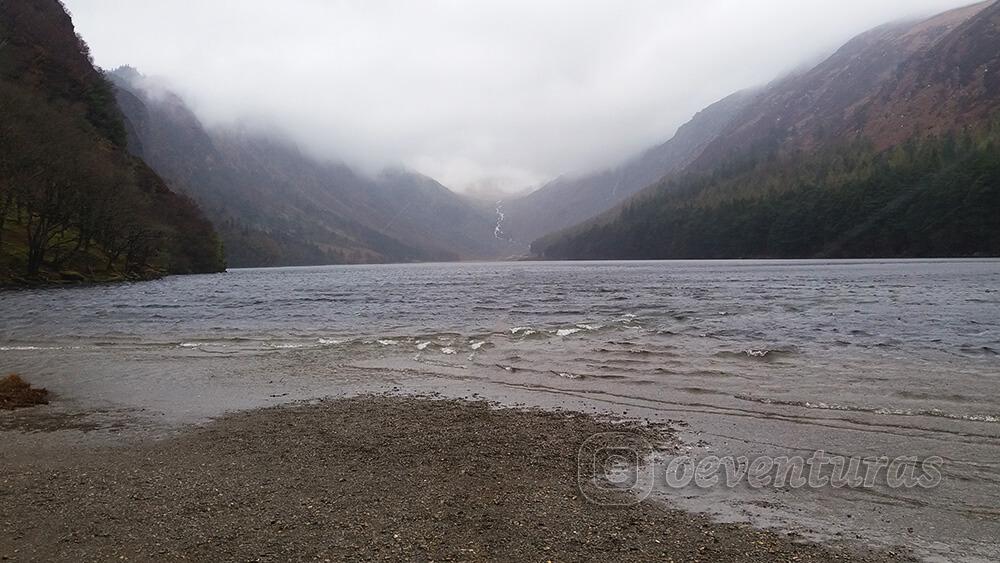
pixel 275 206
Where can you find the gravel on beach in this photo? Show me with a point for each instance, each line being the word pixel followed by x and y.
pixel 368 478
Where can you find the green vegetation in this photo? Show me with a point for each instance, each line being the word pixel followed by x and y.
pixel 928 197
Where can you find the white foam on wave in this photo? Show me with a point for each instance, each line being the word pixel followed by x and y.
pixel 286 346
pixel 982 418
pixel 422 345
pixel 448 351
pixel 329 341
pixel 567 331
pixel 476 344
pixel 388 342
pixel 567 375
pixel 525 330
pixel 28 348
pixel 189 345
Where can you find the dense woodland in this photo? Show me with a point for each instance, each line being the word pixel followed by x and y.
pixel 74 205
pixel 932 196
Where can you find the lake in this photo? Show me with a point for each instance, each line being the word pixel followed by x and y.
pixel 860 358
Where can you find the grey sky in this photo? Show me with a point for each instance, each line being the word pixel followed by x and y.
pixel 516 91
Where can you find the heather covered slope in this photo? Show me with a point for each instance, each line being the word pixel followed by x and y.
pixel 848 95
pixel 887 148
pixel 74 205
pixel 275 205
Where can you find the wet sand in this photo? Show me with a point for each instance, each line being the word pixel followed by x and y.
pixel 369 478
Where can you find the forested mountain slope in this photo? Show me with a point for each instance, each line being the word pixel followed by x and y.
pixel 887 148
pixel 74 204
pixel 566 201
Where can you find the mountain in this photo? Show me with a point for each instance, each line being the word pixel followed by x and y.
pixel 852 94
pixel 887 148
pixel 275 205
pixel 566 201
pixel 74 204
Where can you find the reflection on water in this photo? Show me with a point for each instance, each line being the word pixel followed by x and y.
pixel 858 358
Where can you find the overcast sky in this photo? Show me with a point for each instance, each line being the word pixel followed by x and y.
pixel 513 91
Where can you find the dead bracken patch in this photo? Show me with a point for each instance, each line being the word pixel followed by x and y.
pixel 17 393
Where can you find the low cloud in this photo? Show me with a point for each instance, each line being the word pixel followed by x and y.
pixel 509 93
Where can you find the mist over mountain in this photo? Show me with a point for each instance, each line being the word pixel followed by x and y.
pixel 523 91
pixel 887 148
pixel 275 205
pixel 569 200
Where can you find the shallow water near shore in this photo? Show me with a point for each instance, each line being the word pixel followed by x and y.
pixel 856 358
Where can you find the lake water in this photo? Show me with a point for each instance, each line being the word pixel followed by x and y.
pixel 860 358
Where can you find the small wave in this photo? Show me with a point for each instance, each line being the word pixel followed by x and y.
pixel 567 375
pixel 871 410
pixel 423 345
pixel 189 345
pixel 28 348
pixel 328 341
pixel 476 344
pixel 981 418
pixel 980 351
pixel 523 330
pixel 922 396
pixel 627 320
pixel 388 342
pixel 702 391
pixel 567 331
pixel 448 351
pixel 762 354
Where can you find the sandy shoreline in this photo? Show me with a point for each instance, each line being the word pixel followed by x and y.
pixel 370 478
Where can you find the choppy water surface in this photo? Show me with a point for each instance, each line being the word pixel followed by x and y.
pixel 857 358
